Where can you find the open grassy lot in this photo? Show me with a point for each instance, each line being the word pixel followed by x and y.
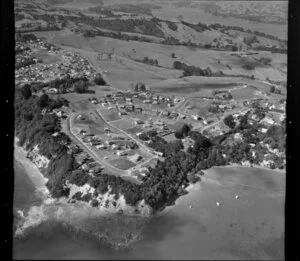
pixel 91 122
pixel 110 115
pixel 122 163
pixel 124 123
pixel 169 138
pixel 191 86
pixel 134 130
pixel 78 101
pixel 244 93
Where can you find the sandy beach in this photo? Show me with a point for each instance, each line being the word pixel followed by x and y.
pixel 30 168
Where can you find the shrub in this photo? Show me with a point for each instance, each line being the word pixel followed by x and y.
pixel 26 91
pixel 99 79
pixel 43 101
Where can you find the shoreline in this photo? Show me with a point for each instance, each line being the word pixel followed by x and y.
pixel 38 179
pixel 234 165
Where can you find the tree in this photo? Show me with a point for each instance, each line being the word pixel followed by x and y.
pixel 99 79
pixel 26 92
pixel 43 101
pixel 234 48
pixel 143 136
pixel 177 65
pixel 139 87
pixel 152 133
pixel 81 86
pixel 201 142
pixel 173 55
pixel 185 130
pixel 178 134
pixel 272 89
pixel 229 121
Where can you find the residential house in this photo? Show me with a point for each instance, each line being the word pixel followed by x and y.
pixel 122 113
pixel 174 114
pixel 165 113
pixel 138 109
pixel 197 117
pixel 267 121
pixel 121 153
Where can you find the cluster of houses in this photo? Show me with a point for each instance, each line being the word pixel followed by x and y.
pixel 142 97
pixel 61 112
pixel 222 95
pixel 220 107
pixel 133 102
pixel 68 64
pixel 158 126
pixel 86 163
pixel 266 105
pixel 119 144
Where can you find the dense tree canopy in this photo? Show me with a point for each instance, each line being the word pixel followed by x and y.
pixel 81 86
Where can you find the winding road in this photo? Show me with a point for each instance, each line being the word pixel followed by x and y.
pixel 70 129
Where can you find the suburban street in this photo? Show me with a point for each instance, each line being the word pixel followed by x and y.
pixel 116 171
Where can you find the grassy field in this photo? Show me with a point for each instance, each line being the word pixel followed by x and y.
pixel 111 115
pixel 195 15
pixel 91 122
pixel 245 93
pixel 199 106
pixel 78 102
pixel 124 123
pixel 121 163
pixel 190 86
pixel 124 70
pixel 134 130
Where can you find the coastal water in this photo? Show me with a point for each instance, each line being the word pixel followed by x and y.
pixel 251 227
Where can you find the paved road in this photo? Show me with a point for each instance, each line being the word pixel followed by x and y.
pixel 115 170
pixel 219 121
pixel 145 149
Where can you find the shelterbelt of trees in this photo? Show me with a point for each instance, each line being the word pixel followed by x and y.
pixel 163 183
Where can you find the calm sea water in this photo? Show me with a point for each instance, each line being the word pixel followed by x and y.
pixel 203 232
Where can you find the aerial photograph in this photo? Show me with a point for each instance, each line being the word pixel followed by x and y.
pixel 150 129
